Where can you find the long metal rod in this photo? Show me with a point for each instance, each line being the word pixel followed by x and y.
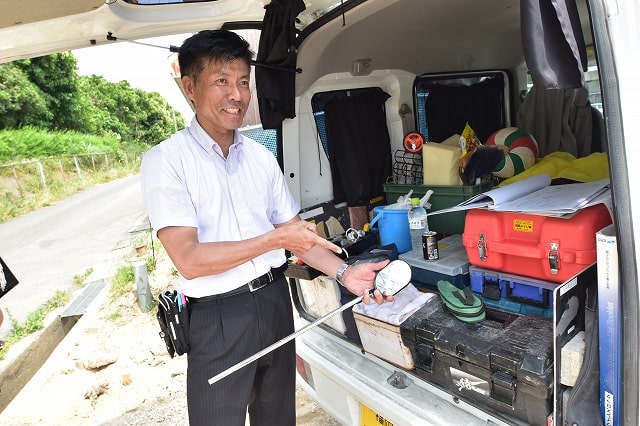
pixel 282 341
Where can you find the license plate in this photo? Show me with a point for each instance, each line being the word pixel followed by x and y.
pixel 368 417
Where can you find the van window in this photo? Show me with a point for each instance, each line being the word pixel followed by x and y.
pixel 318 103
pixel 591 80
pixel 445 103
pixel 251 125
pixel 356 140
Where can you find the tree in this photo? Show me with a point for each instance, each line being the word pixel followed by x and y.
pixel 47 93
pixel 22 103
pixel 132 114
pixel 56 76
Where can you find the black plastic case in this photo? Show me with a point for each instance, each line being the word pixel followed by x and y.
pixel 503 365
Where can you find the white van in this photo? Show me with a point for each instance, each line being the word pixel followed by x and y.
pixel 392 55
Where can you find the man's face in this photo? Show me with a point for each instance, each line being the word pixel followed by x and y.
pixel 221 96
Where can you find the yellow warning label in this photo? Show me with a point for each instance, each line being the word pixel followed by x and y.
pixel 376 199
pixel 521 225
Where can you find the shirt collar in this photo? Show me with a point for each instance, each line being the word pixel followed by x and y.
pixel 207 142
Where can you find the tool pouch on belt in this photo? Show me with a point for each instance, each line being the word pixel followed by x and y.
pixel 173 318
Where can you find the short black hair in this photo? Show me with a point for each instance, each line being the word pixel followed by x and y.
pixel 211 45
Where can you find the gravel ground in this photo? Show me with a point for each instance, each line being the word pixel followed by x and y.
pixel 112 369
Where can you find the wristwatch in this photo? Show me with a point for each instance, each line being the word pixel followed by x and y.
pixel 340 272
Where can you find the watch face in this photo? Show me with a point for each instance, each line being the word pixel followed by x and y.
pixel 393 277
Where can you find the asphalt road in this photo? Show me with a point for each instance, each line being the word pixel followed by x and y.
pixel 45 249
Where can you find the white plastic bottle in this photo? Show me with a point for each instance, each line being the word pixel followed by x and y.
pixel 417 223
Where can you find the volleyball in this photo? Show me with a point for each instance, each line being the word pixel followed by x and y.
pixel 520 148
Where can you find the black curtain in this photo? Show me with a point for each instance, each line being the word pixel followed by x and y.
pixel 359 145
pixel 276 62
pixel 448 108
pixel 553 43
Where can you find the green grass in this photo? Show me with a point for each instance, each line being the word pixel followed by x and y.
pixel 79 279
pixel 24 192
pixel 124 279
pixel 122 282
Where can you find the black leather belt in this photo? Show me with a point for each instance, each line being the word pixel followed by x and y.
pixel 253 285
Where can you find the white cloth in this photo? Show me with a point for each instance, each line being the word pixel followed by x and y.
pixel 405 303
pixel 186 181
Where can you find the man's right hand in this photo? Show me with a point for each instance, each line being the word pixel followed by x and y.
pixel 299 236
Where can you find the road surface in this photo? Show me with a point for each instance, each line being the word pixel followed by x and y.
pixel 46 248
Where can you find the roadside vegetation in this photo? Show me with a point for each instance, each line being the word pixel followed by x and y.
pixel 75 130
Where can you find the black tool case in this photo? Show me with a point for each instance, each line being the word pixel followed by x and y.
pixel 503 364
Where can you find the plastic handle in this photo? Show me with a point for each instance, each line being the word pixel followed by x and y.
pixel 373 222
pixel 534 251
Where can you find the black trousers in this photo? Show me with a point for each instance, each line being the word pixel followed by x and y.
pixel 226 331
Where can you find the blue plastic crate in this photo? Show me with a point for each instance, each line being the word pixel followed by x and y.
pixel 533 295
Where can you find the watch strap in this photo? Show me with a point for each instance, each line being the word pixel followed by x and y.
pixel 340 273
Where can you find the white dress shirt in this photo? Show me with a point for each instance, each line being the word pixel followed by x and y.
pixel 186 181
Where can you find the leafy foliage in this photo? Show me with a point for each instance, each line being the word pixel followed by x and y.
pixel 47 93
pixel 129 113
pixel 22 103
pixel 31 142
pixel 56 77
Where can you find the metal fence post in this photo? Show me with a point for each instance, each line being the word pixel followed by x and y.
pixel 75 161
pixel 41 172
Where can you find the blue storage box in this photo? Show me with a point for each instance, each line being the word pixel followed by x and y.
pixel 516 307
pixel 452 265
pixel 517 290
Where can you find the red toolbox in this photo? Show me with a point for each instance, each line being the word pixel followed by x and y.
pixel 545 247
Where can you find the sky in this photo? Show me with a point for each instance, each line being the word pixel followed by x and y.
pixel 144 67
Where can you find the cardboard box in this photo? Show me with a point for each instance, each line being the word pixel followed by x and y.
pixel 569 303
pixel 321 296
pixel 609 325
pixel 383 340
pixel 379 325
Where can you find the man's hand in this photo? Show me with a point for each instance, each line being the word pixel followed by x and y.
pixel 299 236
pixel 359 279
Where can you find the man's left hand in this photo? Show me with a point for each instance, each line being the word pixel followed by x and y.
pixel 359 279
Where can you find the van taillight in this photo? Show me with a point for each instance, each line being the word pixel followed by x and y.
pixel 304 369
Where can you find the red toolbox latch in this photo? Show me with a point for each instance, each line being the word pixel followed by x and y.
pixel 554 258
pixel 482 248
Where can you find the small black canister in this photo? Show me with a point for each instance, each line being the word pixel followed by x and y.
pixel 430 245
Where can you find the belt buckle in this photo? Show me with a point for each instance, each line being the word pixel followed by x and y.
pixel 261 281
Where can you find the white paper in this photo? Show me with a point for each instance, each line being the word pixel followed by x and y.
pixel 536 195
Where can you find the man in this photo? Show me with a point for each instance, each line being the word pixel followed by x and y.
pixel 221 208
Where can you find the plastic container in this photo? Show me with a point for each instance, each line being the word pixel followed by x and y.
pixel 452 264
pixel 504 364
pixel 542 247
pixel 417 223
pixel 393 227
pixel 443 196
pixel 496 285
